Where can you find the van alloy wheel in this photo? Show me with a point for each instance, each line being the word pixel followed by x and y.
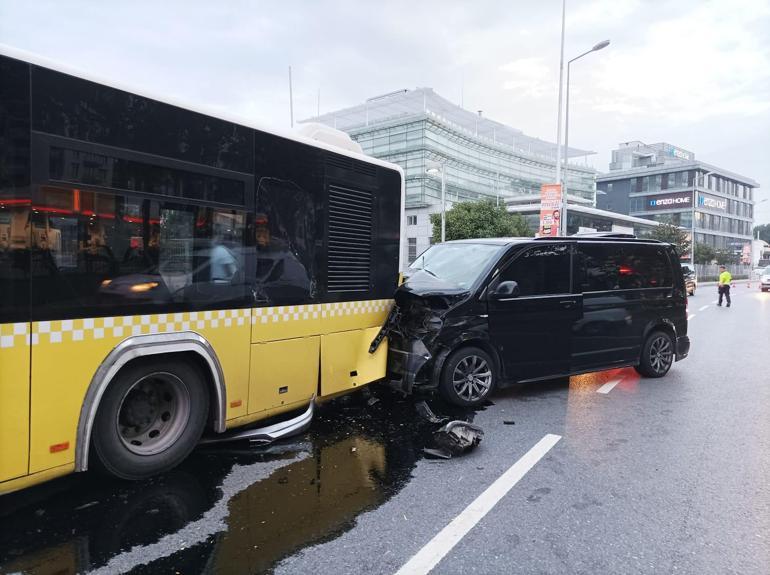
pixel 472 378
pixel 661 354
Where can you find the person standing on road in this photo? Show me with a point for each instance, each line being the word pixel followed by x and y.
pixel 724 285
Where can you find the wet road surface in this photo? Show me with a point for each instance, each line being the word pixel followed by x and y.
pixel 649 476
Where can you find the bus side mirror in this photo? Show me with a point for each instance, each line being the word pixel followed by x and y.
pixel 506 289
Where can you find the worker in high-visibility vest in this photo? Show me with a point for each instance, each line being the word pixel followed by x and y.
pixel 724 285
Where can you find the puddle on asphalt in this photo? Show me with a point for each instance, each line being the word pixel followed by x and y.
pixel 225 510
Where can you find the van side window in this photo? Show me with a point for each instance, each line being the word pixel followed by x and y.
pixel 543 270
pixel 606 267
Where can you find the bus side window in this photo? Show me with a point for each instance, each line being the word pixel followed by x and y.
pixel 285 238
pixel 202 257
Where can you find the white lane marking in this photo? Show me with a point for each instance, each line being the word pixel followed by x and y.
pixel 437 548
pixel 607 387
pixel 704 307
pixel 689 317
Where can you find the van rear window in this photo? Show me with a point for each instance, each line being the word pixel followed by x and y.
pixel 607 267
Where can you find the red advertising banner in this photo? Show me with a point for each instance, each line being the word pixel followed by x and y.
pixel 550 209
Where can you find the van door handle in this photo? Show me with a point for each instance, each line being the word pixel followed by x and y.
pixel 567 303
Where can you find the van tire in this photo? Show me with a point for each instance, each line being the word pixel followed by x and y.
pixel 150 418
pixel 467 362
pixel 658 355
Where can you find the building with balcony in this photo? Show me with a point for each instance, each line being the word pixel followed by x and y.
pixel 480 158
pixel 665 183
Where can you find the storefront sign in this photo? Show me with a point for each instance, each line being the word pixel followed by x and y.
pixel 712 202
pixel 669 201
pixel 550 209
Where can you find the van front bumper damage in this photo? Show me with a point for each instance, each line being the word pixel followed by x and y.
pixel 405 364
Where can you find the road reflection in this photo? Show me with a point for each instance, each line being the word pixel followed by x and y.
pixel 230 510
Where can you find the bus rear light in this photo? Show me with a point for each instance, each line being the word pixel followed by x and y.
pixel 57 447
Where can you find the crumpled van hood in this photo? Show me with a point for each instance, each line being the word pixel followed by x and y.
pixel 423 284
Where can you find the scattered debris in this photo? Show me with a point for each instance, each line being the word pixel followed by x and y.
pixel 86 505
pixel 457 437
pixel 427 414
pixel 509 422
pixel 437 453
pixel 372 400
pixel 353 449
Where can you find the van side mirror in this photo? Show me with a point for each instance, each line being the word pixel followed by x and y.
pixel 505 289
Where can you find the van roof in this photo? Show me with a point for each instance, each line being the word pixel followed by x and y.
pixel 584 238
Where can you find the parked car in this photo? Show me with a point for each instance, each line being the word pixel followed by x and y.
pixel 690 279
pixel 764 280
pixel 473 315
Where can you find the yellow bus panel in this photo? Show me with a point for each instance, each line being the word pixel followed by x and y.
pixel 346 362
pixel 14 400
pixel 284 322
pixel 283 373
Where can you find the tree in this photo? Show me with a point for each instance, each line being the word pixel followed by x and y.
pixel 764 232
pixel 482 219
pixel 724 257
pixel 673 235
pixel 704 254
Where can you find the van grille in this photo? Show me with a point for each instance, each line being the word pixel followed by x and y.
pixel 350 239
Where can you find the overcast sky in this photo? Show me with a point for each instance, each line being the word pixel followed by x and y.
pixel 693 73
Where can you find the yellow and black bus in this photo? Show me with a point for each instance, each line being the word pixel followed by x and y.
pixel 166 273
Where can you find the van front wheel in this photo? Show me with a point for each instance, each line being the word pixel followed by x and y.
pixel 468 377
pixel 657 355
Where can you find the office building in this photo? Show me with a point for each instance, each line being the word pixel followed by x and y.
pixel 480 158
pixel 665 183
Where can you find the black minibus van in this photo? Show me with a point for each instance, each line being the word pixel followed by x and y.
pixel 473 315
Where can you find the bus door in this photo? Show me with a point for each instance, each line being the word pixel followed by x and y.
pixel 15 338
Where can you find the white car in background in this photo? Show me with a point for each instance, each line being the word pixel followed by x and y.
pixel 764 279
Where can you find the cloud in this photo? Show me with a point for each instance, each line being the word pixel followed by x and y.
pixel 528 77
pixel 706 63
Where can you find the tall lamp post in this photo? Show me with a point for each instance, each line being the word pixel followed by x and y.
pixel 597 47
pixel 434 169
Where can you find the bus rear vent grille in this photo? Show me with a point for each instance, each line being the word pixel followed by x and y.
pixel 350 239
pixel 350 164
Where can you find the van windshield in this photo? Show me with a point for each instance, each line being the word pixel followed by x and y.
pixel 459 264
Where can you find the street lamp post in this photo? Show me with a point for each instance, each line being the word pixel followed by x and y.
pixel 597 47
pixel 433 170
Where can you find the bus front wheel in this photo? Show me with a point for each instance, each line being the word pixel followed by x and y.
pixel 150 418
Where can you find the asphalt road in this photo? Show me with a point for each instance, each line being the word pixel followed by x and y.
pixel 639 476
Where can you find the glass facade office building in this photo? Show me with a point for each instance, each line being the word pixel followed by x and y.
pixel 665 183
pixel 481 158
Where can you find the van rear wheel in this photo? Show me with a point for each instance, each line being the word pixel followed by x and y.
pixel 468 377
pixel 150 418
pixel 657 355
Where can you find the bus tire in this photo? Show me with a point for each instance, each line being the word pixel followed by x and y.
pixel 150 418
